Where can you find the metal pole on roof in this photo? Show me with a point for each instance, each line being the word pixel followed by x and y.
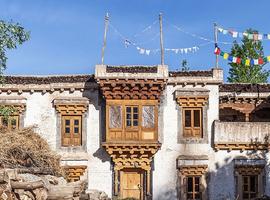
pixel 161 39
pixel 216 42
pixel 105 37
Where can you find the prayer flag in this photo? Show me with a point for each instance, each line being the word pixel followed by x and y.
pixel 226 55
pixel 147 52
pixel 234 34
pixel 234 59
pixel 250 36
pixel 238 60
pixel 247 62
pixel 256 61
pixel 260 37
pixel 255 36
pixel 260 61
pixel 268 58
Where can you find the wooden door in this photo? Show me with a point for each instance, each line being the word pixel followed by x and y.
pixel 131 184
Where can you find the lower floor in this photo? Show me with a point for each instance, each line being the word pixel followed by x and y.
pixel 224 175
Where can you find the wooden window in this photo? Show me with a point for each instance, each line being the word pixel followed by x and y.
pixel 193 190
pixel 71 130
pixel 192 122
pixel 250 187
pixel 132 116
pixel 11 122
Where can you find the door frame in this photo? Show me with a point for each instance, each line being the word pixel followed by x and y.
pixel 142 176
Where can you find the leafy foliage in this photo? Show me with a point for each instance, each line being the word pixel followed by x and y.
pixel 11 35
pixel 240 73
pixel 6 111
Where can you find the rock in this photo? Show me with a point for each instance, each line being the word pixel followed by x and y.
pixel 103 196
pixel 97 195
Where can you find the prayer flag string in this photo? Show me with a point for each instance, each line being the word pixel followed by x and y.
pixel 238 60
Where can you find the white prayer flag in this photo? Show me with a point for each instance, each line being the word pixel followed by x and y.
pixel 245 34
pixel 138 48
pixel 176 51
pixel 256 61
pixel 182 50
pixel 268 36
pixel 234 34
pixel 185 50
pixel 234 59
pixel 147 52
pixel 142 51
pixel 220 29
pixel 260 37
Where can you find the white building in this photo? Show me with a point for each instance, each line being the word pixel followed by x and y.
pixel 145 132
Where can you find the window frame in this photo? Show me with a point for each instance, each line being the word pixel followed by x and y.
pixel 193 192
pixel 139 118
pixel 9 120
pixel 72 127
pixel 192 129
pixel 124 133
pixel 248 191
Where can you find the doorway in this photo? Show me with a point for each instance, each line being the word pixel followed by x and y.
pixel 131 183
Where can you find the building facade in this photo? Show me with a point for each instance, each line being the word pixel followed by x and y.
pixel 148 133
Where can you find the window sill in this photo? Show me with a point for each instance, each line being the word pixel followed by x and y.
pixel 194 140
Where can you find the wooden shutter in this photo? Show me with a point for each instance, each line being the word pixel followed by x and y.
pixel 71 130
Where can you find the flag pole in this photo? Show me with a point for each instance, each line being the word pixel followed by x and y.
pixel 105 37
pixel 161 39
pixel 216 41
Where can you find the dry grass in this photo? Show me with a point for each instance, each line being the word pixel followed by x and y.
pixel 24 148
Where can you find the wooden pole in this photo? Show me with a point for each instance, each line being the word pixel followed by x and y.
pixel 161 39
pixel 105 37
pixel 216 41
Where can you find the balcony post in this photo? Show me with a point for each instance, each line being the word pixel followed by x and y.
pixel 247 117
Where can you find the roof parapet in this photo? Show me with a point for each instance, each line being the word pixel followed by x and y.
pixel 213 76
pixel 131 72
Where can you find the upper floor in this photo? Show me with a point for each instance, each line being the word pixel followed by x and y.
pixel 138 104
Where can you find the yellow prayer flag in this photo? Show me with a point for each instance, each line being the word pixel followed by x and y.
pixel 268 58
pixel 247 62
pixel 225 56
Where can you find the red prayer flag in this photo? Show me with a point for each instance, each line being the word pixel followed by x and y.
pixel 217 51
pixel 260 61
pixel 238 60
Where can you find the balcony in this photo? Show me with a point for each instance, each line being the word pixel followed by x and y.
pixel 241 135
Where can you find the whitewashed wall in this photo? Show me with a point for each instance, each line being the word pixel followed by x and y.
pixel 41 113
pixel 165 175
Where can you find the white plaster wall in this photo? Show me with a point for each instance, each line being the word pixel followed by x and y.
pixel 221 173
pixel 41 113
pixel 165 174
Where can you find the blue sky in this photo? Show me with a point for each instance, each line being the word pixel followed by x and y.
pixel 67 35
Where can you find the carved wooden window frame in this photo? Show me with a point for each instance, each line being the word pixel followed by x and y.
pixel 192 102
pixel 192 130
pixel 72 108
pixel 242 171
pixel 8 122
pixel 124 129
pixel 18 115
pixel 193 171
pixel 75 139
